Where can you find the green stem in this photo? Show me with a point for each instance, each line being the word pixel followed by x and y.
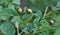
pixel 17 31
pixel 48 13
pixel 45 12
pixel 51 12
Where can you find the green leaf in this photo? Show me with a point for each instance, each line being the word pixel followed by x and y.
pixel 58 4
pixel 16 19
pixel 11 6
pixel 7 29
pixel 26 30
pixel 38 15
pixel 57 19
pixel 45 24
pixel 6 12
pixel 25 10
pixel 57 31
pixel 46 32
pixel 4 18
pixel 14 12
pixel 32 1
pixel 16 2
pixel 12 9
pixel 1 8
pixel 4 1
pixel 36 20
pixel 27 17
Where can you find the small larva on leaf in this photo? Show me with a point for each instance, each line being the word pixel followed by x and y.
pixel 29 10
pixel 51 22
pixel 20 10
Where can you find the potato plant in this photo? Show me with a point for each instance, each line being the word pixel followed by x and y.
pixel 29 17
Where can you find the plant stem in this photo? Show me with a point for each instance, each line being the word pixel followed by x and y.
pixel 51 11
pixel 17 31
pixel 17 26
pixel 48 13
pixel 45 12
